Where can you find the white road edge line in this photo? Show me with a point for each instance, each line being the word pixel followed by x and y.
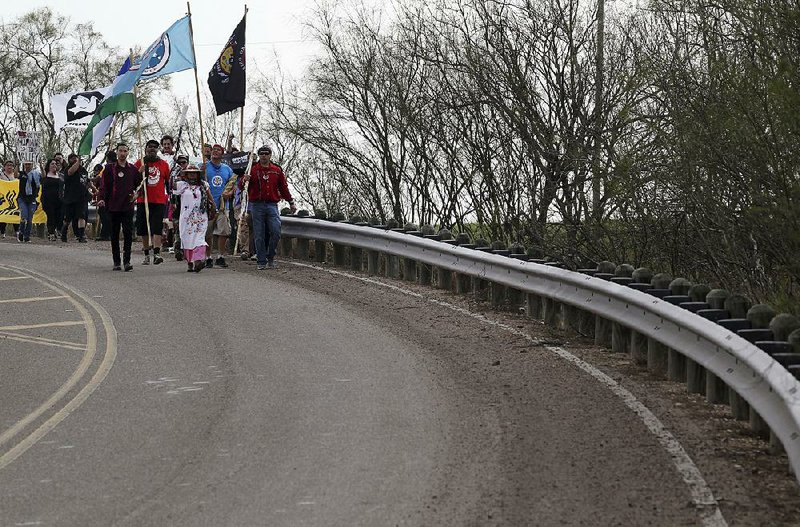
pixel 702 496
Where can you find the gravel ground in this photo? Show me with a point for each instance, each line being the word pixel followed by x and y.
pixel 496 369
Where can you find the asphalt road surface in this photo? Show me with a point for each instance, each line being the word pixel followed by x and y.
pixel 299 397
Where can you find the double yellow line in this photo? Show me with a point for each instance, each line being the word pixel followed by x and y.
pixel 80 301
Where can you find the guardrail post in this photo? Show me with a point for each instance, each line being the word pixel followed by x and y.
pixel 320 251
pixel 409 270
pixel 676 366
pixel 656 357
pixel 303 248
pixel 638 348
pixel 533 306
pixel 572 318
pixel 758 425
pixel 423 274
pixel 463 283
pixel 550 311
pixel 586 324
pixel 286 246
pixel 497 295
pixel 444 279
pixel 392 266
pixel 620 338
pixel 479 288
pixel 716 390
pixel 740 409
pixel 695 377
pixel 373 257
pixel 338 255
pixel 602 331
pixel 355 259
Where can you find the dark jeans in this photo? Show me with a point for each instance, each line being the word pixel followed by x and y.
pixel 53 210
pixel 124 220
pixel 266 230
pixel 72 213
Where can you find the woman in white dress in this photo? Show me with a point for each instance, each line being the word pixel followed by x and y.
pixel 196 205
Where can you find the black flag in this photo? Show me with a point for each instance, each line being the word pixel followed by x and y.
pixel 226 80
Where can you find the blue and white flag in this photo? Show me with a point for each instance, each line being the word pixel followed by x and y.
pixel 170 53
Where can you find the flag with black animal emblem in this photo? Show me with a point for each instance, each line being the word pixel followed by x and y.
pixel 226 80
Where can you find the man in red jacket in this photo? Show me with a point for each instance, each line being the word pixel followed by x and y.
pixel 117 190
pixel 267 187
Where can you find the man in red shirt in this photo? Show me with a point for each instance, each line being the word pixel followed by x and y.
pixel 117 189
pixel 267 187
pixel 157 174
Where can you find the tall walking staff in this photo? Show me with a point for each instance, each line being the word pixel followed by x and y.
pixel 197 87
pixel 245 195
pixel 144 164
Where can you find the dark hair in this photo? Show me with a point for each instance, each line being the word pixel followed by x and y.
pixel 121 144
pixel 72 156
pixel 111 156
pixel 58 154
pixel 8 162
pixel 167 136
pixel 152 142
pixel 47 165
pixel 265 150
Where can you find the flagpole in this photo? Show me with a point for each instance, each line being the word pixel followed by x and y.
pixel 144 161
pixel 245 190
pixel 197 87
pixel 241 108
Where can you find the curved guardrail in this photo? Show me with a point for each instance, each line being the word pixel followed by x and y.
pixel 755 376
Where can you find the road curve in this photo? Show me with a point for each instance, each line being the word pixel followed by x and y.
pixel 290 398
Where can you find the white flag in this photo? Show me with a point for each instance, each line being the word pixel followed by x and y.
pixel 75 109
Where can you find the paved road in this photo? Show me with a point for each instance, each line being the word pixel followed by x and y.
pixel 160 397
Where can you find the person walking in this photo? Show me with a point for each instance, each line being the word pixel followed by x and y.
pixel 76 196
pixel 218 174
pixel 52 193
pixel 267 187
pixel 30 181
pixel 196 206
pixel 117 193
pixel 9 173
pixel 156 170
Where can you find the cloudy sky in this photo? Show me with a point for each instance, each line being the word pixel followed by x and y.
pixel 274 29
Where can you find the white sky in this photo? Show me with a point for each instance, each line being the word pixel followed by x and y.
pixel 274 29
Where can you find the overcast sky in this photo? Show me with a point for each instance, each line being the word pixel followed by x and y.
pixel 274 27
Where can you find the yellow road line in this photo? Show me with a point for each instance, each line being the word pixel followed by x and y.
pixel 42 339
pixel 102 371
pixel 48 324
pixel 83 366
pixel 42 342
pixel 4 278
pixel 32 299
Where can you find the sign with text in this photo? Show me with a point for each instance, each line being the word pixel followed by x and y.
pixel 29 146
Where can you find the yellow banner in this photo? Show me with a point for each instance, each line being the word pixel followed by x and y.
pixel 9 211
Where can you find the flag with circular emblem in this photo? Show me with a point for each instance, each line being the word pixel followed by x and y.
pixel 226 80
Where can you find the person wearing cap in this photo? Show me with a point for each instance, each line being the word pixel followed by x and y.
pixel 156 170
pixel 267 186
pixel 117 193
pixel 218 175
pixel 195 203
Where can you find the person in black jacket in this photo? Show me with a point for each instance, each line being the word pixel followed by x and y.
pixel 52 191
pixel 76 196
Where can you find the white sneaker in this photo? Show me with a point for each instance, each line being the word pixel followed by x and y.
pixel 146 260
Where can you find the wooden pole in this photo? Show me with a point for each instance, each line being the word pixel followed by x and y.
pixel 241 109
pixel 197 86
pixel 144 164
pixel 243 209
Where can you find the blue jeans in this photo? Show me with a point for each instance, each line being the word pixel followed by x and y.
pixel 26 211
pixel 266 230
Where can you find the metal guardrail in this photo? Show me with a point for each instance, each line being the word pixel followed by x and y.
pixel 771 390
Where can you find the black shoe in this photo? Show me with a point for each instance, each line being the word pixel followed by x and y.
pixel 116 268
pixel 64 238
pixel 198 266
pixel 190 267
pixel 83 239
pixel 209 263
pixel 19 236
pixel 157 259
pixel 220 262
pixel 128 267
